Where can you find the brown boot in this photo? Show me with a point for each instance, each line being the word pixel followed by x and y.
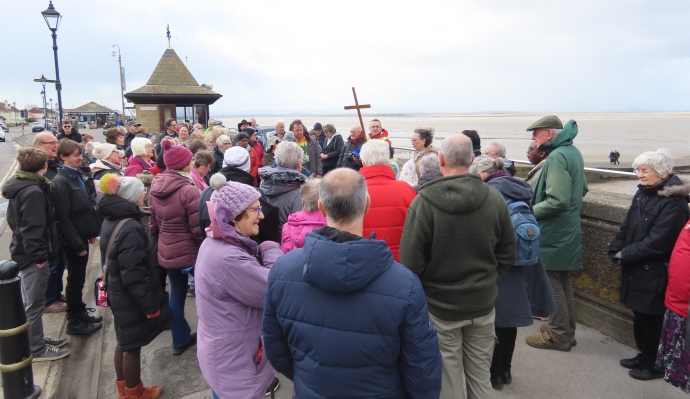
pixel 141 392
pixel 546 340
pixel 121 389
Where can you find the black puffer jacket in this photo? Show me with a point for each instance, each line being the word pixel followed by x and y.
pixel 133 287
pixel 75 214
pixel 73 135
pixel 30 216
pixel 646 239
pixel 218 155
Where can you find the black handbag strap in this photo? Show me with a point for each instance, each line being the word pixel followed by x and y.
pixel 110 243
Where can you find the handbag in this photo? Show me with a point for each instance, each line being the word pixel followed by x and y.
pixel 100 291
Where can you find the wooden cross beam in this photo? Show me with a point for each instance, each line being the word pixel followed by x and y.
pixel 359 113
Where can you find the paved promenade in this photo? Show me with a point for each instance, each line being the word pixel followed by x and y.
pixel 589 371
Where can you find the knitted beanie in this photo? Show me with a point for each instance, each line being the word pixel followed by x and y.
pixel 129 188
pixel 235 196
pixel 139 146
pixel 103 150
pixel 176 157
pixel 237 157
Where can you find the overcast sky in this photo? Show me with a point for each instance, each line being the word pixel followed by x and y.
pixel 299 56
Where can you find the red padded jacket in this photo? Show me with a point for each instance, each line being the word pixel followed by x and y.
pixel 390 200
pixel 678 289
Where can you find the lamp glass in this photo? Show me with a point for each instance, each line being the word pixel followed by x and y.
pixel 113 52
pixel 52 17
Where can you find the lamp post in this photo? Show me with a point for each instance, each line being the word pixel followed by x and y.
pixel 45 108
pixel 53 19
pixel 52 115
pixel 42 80
pixel 122 77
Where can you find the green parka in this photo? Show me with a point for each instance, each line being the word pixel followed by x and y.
pixel 557 201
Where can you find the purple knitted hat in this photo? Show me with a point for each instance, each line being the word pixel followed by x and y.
pixel 176 157
pixel 235 196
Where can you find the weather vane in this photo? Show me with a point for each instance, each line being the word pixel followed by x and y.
pixel 168 33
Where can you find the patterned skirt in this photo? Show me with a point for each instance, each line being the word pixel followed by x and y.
pixel 674 357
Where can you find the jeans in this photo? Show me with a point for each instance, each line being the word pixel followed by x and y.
pixel 466 347
pixel 562 320
pixel 57 269
pixel 76 276
pixel 34 282
pixel 178 294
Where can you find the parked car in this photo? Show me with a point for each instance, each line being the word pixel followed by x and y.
pixel 2 135
pixel 4 127
pixel 37 127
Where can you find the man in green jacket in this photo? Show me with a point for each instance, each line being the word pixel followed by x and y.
pixel 557 200
pixel 458 238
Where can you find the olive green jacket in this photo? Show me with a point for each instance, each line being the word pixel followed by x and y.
pixel 557 201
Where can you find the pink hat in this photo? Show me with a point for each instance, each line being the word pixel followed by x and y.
pixel 176 157
pixel 235 196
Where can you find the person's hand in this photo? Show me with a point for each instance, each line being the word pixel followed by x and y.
pixel 154 314
pixel 319 176
pixel 324 156
pixel 40 265
pixel 82 253
pixel 92 240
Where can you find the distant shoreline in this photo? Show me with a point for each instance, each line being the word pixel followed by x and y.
pixel 442 114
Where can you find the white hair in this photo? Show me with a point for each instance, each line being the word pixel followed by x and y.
pixel 487 164
pixel 500 148
pixel 555 132
pixel 429 163
pixel 375 152
pixel 222 139
pixel 288 155
pixel 457 150
pixel 659 160
pixel 280 121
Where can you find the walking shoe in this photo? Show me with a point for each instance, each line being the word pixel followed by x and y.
pixel 645 374
pixel 507 378
pixel 49 352
pixel 142 392
pixel 275 384
pixel 56 342
pixel 496 382
pixel 180 350
pixel 545 327
pixel 86 317
pixel 542 317
pixel 80 327
pixel 56 307
pixel 633 363
pixel 191 292
pixel 546 341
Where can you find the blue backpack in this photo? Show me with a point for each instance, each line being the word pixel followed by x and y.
pixel 527 234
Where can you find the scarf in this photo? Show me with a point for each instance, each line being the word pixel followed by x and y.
pixel 22 175
pixel 360 138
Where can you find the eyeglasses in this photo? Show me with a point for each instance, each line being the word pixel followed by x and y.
pixel 49 142
pixel 258 210
pixel 415 140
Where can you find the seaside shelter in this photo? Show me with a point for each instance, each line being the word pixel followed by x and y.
pixel 92 113
pixel 171 92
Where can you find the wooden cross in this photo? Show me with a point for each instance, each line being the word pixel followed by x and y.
pixel 358 108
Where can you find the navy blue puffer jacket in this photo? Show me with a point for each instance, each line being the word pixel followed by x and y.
pixel 342 319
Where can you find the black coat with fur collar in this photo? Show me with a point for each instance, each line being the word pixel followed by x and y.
pixel 646 239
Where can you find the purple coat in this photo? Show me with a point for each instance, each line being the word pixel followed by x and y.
pixel 230 287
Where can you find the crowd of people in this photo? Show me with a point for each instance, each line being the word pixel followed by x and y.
pixel 320 258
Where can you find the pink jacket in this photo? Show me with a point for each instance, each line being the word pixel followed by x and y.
pixel 174 220
pixel 230 287
pixel 297 226
pixel 136 165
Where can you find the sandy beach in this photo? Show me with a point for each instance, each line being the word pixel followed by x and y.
pixel 599 133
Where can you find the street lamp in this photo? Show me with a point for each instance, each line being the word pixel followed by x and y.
pixel 122 77
pixel 53 19
pixel 52 116
pixel 45 108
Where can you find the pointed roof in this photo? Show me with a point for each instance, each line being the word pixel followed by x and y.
pixel 171 78
pixel 92 107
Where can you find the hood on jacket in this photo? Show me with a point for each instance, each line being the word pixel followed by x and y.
pixel 340 262
pixel 236 174
pixel 377 171
pixel 564 138
pixel 167 183
pixel 279 180
pixel 114 207
pixel 676 187
pixel 220 229
pixel 306 218
pixel 456 194
pixel 513 188
pixel 14 186
pixel 100 165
